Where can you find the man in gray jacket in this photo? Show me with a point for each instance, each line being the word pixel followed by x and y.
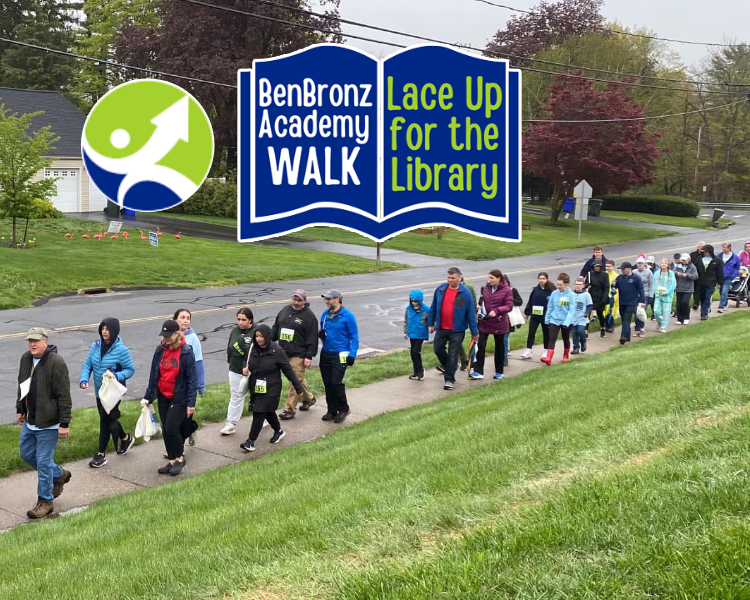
pixel 43 407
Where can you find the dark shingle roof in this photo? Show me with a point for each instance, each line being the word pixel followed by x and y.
pixel 65 120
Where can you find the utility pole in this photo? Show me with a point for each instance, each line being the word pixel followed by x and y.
pixel 697 161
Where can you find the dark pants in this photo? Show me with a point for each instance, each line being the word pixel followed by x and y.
pixel 683 306
pixel 533 326
pixel 416 356
pixel 499 352
pixel 599 308
pixel 579 336
pixel 172 417
pixel 627 313
pixel 332 372
pixel 258 418
pixel 449 359
pixel 708 292
pixel 650 302
pixel 553 331
pixel 109 427
pixel 697 295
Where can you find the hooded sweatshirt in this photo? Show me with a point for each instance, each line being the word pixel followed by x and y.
pixel 745 257
pixel 598 286
pixel 710 269
pixel 296 331
pixel 647 277
pixel 536 307
pixel 415 319
pixel 266 365
pixel 193 340
pixel 560 308
pixel 582 307
pixel 237 347
pixel 686 284
pixel 104 356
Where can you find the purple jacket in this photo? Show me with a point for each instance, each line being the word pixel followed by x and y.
pixel 501 301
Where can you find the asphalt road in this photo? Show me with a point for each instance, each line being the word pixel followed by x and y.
pixel 377 300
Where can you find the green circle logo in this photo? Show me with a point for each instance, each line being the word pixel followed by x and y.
pixel 148 145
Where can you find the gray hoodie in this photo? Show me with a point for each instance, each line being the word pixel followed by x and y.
pixel 687 283
pixel 647 277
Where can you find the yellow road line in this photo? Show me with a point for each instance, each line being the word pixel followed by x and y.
pixel 353 293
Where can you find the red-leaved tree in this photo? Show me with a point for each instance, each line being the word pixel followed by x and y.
pixel 612 157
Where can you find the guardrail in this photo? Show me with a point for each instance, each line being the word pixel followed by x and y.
pixel 730 205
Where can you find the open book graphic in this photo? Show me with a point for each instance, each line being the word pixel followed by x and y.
pixel 330 135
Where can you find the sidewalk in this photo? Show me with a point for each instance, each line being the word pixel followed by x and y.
pixel 137 469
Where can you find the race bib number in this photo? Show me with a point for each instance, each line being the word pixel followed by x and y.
pixel 343 356
pixel 260 386
pixel 564 302
pixel 661 291
pixel 537 310
pixel 287 335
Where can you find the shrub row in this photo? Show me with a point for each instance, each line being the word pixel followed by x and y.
pixel 673 206
pixel 214 198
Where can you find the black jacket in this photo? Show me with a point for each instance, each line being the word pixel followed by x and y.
pixel 267 364
pixel 589 266
pixel 304 323
pixel 186 385
pixel 538 297
pixel 598 286
pixel 713 274
pixel 49 392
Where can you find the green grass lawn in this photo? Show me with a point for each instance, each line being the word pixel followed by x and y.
pixel 695 222
pixel 57 264
pixel 542 237
pixel 577 481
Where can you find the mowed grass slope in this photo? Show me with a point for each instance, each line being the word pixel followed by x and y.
pixel 620 476
pixel 29 274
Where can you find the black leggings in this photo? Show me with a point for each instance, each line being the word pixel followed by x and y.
pixel 553 330
pixel 109 426
pixel 258 418
pixel 533 326
pixel 416 356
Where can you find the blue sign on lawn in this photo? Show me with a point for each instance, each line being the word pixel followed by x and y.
pixel 153 238
pixel 330 135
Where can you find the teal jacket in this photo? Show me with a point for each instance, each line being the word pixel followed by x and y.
pixel 664 283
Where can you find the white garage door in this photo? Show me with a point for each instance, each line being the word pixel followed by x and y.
pixel 66 199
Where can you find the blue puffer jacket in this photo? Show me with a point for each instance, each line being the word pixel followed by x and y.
pixel 415 321
pixel 117 359
pixel 341 332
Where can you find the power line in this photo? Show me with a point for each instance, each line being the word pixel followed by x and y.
pixel 469 47
pixel 680 114
pixel 110 63
pixel 608 30
pixel 397 45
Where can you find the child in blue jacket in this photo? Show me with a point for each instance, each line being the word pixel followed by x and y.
pixel 416 330
pixel 108 353
pixel 581 315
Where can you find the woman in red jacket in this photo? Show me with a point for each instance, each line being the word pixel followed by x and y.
pixel 497 299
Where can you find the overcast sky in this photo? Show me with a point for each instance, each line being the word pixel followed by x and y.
pixel 469 21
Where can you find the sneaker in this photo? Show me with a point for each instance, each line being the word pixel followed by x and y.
pixel 306 405
pixel 420 377
pixel 704 318
pixel 191 439
pixel 286 415
pixel 464 365
pixel 509 353
pixel 610 329
pixel 475 375
pixel 413 377
pixel 662 330
pixel 248 445
pixel 720 310
pixel 177 467
pixel 42 508
pixel 449 385
pixel 686 322
pixel 341 417
pixel 126 445
pixel 575 351
pixel 583 347
pixel 329 416
pixel 59 483
pixel 622 341
pixel 440 368
pixel 498 376
pixel 526 353
pixel 165 469
pixel 639 333
pixel 228 429
pixel 99 460
pixel 278 435
pixel 602 332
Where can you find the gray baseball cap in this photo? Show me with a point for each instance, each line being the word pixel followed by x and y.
pixel 332 294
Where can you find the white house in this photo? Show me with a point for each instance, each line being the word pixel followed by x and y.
pixel 75 191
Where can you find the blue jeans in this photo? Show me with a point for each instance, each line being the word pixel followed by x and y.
pixel 724 300
pixel 38 451
pixel 579 336
pixel 708 293
pixel 449 359
pixel 626 313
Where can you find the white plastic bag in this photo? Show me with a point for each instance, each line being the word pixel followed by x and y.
pixel 640 314
pixel 147 426
pixel 516 317
pixel 244 385
pixel 111 391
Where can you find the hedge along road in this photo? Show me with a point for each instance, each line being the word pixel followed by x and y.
pixel 377 300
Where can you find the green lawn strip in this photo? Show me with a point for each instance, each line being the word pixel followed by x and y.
pixel 542 237
pixel 672 526
pixel 28 274
pixel 225 221
pixel 305 520
pixel 212 407
pixel 696 222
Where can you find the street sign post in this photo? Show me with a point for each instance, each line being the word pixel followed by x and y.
pixel 582 193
